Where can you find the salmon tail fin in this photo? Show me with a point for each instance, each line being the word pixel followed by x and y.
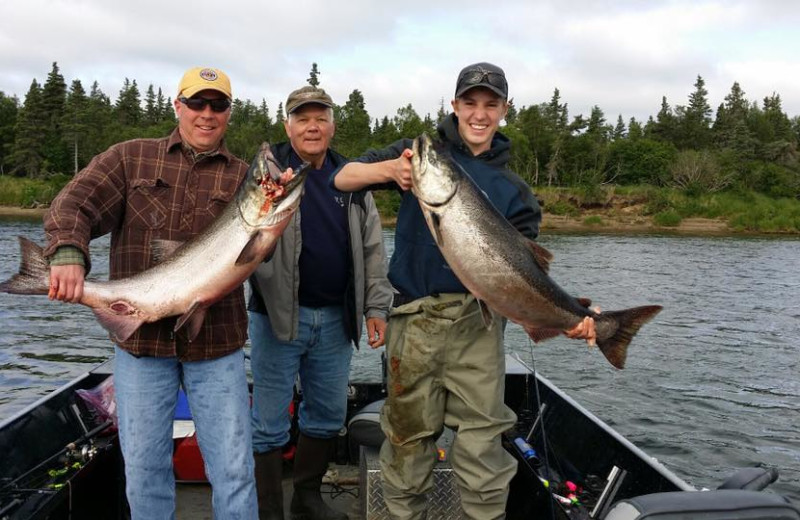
pixel 628 323
pixel 34 272
pixel 541 256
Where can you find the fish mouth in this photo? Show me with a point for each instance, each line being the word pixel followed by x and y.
pixel 430 162
pixel 299 177
pixel 270 184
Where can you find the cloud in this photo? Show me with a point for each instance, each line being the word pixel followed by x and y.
pixel 621 56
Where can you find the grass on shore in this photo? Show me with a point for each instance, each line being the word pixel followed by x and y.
pixel 21 192
pixel 743 211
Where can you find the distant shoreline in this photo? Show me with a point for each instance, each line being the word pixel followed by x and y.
pixel 23 213
pixel 550 223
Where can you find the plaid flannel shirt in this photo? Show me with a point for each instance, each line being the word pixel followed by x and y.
pixel 148 189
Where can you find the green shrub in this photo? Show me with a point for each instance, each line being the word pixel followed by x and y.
pixel 561 207
pixel 594 220
pixel 667 219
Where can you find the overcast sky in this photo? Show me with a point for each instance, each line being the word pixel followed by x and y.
pixel 622 56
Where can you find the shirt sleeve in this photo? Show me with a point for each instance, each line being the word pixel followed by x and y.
pixel 90 205
pixel 393 151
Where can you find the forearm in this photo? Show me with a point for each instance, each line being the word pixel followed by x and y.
pixel 356 176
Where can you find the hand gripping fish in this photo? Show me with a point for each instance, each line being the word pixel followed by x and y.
pixel 502 268
pixel 200 272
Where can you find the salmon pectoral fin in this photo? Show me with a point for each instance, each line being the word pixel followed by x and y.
pixel 541 256
pixel 119 320
pixel 628 323
pixel 193 319
pixel 436 228
pixel 486 314
pixel 34 274
pixel 255 250
pixel 538 335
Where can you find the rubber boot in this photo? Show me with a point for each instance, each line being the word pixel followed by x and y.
pixel 269 484
pixel 310 464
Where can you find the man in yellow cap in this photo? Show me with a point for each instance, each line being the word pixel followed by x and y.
pixel 169 188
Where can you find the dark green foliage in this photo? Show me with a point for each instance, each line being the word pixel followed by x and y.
pixel 9 106
pixel 313 76
pixel 667 219
pixel 744 147
pixel 643 161
pixel 29 135
pixel 694 120
pixel 128 109
pixel 352 126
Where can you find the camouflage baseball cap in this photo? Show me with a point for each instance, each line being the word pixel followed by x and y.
pixel 306 95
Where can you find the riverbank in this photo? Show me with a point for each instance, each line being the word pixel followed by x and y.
pixel 590 223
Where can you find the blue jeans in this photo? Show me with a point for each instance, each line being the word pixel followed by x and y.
pixel 146 390
pixel 321 356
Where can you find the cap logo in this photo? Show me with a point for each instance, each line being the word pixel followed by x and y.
pixel 208 74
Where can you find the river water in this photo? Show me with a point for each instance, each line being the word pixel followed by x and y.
pixel 711 385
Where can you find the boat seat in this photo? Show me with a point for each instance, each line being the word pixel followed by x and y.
pixel 726 504
pixel 364 426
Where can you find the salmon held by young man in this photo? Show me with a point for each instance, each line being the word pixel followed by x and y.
pixel 199 272
pixel 503 269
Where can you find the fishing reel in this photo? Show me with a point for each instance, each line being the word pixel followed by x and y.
pixel 81 454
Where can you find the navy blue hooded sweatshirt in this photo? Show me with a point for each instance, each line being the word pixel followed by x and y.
pixel 417 267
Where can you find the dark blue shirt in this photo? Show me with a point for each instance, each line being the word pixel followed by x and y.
pixel 324 258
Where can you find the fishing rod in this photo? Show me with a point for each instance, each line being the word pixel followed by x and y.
pixel 71 447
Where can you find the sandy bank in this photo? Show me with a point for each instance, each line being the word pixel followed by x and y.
pixel 550 223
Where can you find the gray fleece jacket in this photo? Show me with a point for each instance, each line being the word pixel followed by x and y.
pixel 276 282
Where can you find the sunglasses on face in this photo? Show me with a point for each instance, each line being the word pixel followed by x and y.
pixel 478 76
pixel 198 104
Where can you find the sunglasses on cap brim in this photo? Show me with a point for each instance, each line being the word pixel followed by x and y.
pixel 481 76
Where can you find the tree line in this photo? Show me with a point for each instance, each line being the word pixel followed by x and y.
pixel 744 145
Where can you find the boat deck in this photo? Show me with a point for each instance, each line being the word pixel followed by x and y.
pixel 194 500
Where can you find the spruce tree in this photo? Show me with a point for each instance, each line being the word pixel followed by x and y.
pixel 55 152
pixel 9 109
pixel 352 126
pixel 313 76
pixel 128 109
pixel 694 128
pixel 75 124
pixel 29 135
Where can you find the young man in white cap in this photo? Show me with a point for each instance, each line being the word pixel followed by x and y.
pixel 445 367
pixel 170 188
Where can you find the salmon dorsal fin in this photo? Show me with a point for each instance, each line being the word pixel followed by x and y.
pixel 161 249
pixel 193 318
pixel 541 256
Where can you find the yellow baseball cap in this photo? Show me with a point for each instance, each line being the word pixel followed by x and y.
pixel 203 78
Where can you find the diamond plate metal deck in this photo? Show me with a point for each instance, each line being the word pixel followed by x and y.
pixel 444 500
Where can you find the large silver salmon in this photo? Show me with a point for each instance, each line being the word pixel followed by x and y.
pixel 197 274
pixel 502 268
